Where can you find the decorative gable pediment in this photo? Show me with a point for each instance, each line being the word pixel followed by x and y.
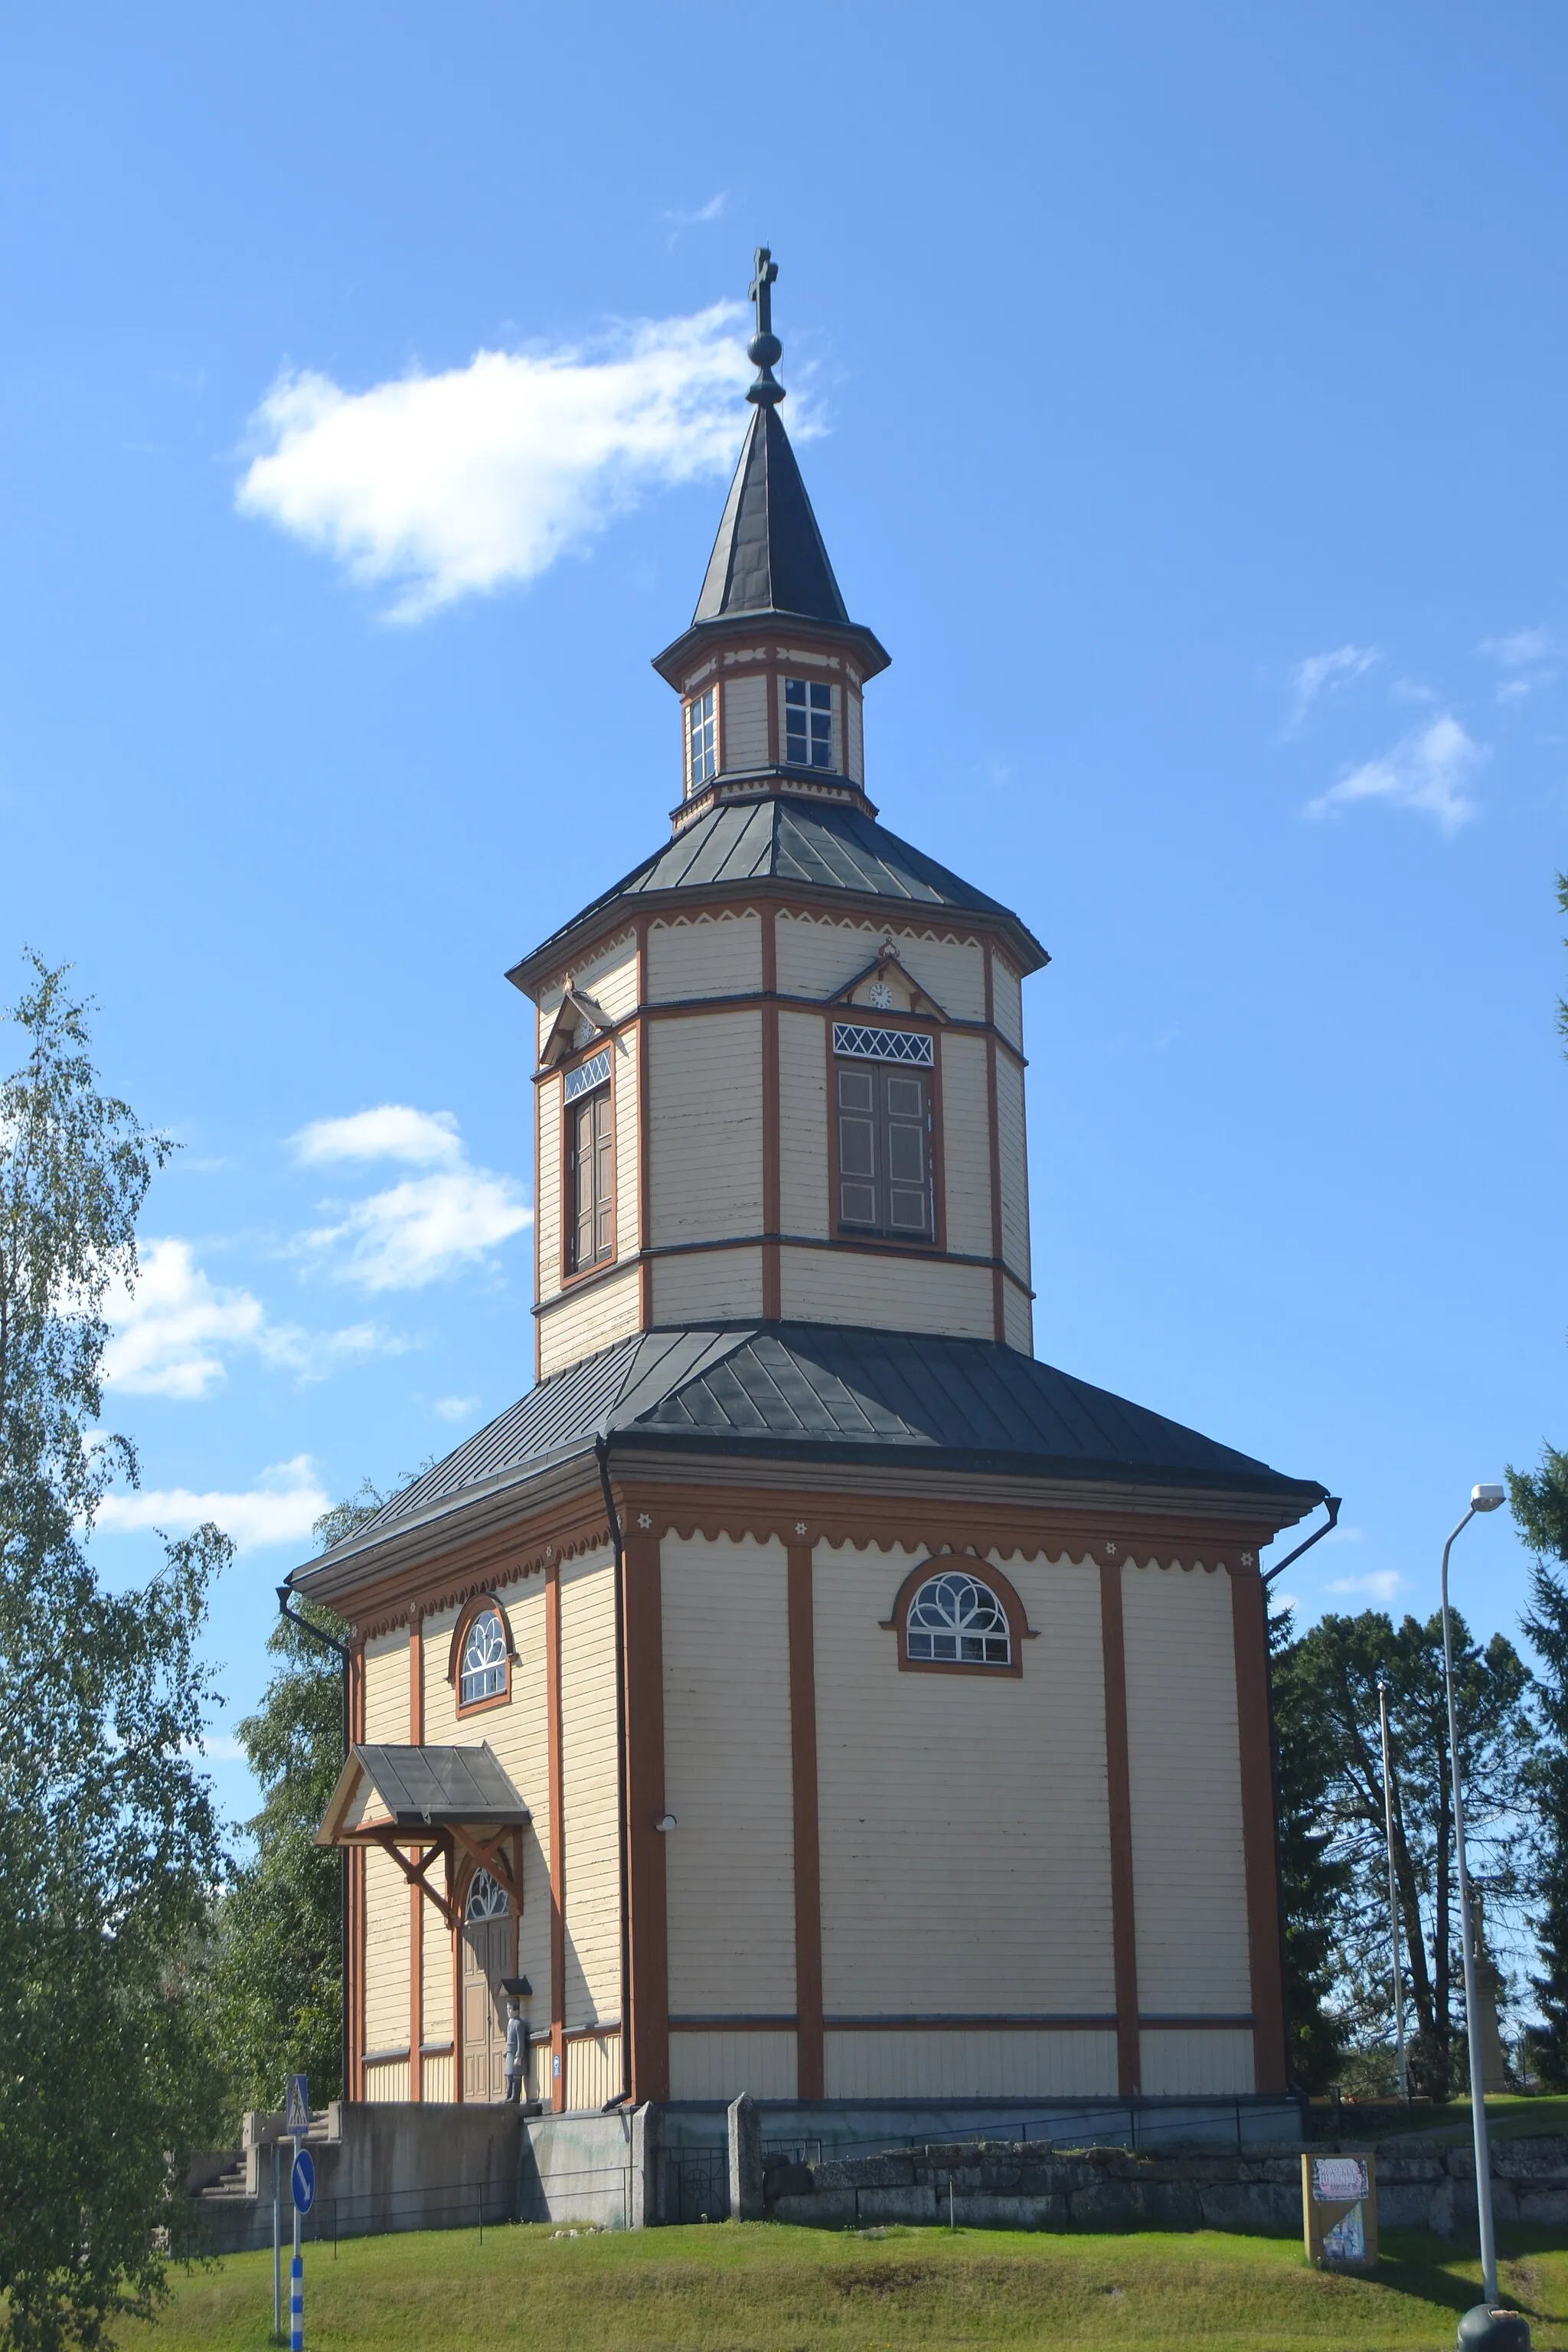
pixel 886 987
pixel 578 1021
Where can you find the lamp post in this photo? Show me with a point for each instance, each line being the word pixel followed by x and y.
pixel 1485 2324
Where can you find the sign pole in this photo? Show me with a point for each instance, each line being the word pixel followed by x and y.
pixel 302 2190
pixel 276 2253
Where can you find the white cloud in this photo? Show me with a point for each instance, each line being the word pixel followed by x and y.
pixel 1319 672
pixel 675 221
pixel 456 1408
pixel 424 1138
pixel 1427 771
pixel 1532 658
pixel 454 484
pixel 174 1332
pixel 425 1226
pixel 281 1507
pixel 1383 1583
pixel 171 1332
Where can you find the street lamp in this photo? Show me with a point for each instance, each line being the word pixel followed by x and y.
pixel 1486 2324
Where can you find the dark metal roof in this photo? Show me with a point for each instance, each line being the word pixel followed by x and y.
pixel 811 1389
pixel 808 845
pixel 437 1785
pixel 769 556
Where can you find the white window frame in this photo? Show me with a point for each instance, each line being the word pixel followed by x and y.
pixel 962 1611
pixel 701 739
pixel 810 689
pixel 478 1665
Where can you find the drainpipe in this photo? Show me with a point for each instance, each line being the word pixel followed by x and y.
pixel 602 1457
pixel 285 1594
pixel 1331 1505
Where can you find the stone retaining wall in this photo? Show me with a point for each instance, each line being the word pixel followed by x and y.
pixel 1012 2185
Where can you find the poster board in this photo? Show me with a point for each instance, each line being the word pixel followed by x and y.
pixel 1339 2209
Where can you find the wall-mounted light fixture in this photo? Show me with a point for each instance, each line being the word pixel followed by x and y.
pixel 665 1823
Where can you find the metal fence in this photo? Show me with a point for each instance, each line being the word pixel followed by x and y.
pixel 694 2184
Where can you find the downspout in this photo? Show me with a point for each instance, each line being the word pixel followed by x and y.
pixel 602 1455
pixel 1331 1505
pixel 284 1593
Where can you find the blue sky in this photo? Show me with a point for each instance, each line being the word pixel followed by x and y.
pixel 1182 396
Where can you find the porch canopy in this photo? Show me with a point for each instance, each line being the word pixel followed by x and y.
pixel 419 1803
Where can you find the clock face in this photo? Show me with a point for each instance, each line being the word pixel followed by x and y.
pixel 880 995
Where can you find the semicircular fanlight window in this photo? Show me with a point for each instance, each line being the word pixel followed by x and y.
pixel 485 1899
pixel 483 1671
pixel 954 1620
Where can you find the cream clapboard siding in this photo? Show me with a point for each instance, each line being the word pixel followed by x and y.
pixel 803 1124
pixel 437 2079
pixel 386 1691
pixel 889 1294
pixel 610 978
pixel 722 2065
pixel 588 1319
pixel 387 2081
pixel 816 958
pixel 1007 1001
pixel 386 1941
pixel 386 2004
pixel 727 1779
pixel 518 1738
pixel 1013 1157
pixel 549 1110
pixel 1017 1320
pixel 628 1154
pixel 717 955
pixel 952 970
pixel 965 1145
pixel 745 730
pixel 706 1107
pixel 1177 2063
pixel 593 2071
pixel 442 1730
pixel 725 1282
pixel 857 766
pixel 947 2065
pixel 593 1987
pixel 965 1855
pixel 1188 1868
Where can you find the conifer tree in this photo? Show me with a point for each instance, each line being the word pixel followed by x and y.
pixel 1540 1500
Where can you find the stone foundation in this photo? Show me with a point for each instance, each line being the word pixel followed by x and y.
pixel 1013 2185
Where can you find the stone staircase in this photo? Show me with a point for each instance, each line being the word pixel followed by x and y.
pixel 230 2189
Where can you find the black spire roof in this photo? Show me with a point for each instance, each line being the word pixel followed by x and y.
pixel 769 556
pixel 768 561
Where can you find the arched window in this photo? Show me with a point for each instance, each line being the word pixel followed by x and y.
pixel 485 1899
pixel 954 1620
pixel 483 1673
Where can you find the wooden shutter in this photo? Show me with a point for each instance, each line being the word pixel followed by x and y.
pixel 884 1150
pixel 593 1173
pixel 908 1151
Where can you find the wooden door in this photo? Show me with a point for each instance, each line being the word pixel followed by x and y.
pixel 487 1958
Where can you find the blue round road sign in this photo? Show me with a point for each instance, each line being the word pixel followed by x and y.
pixel 303 2180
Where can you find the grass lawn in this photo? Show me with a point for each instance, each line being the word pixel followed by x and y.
pixel 1508 2118
pixel 763 2287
